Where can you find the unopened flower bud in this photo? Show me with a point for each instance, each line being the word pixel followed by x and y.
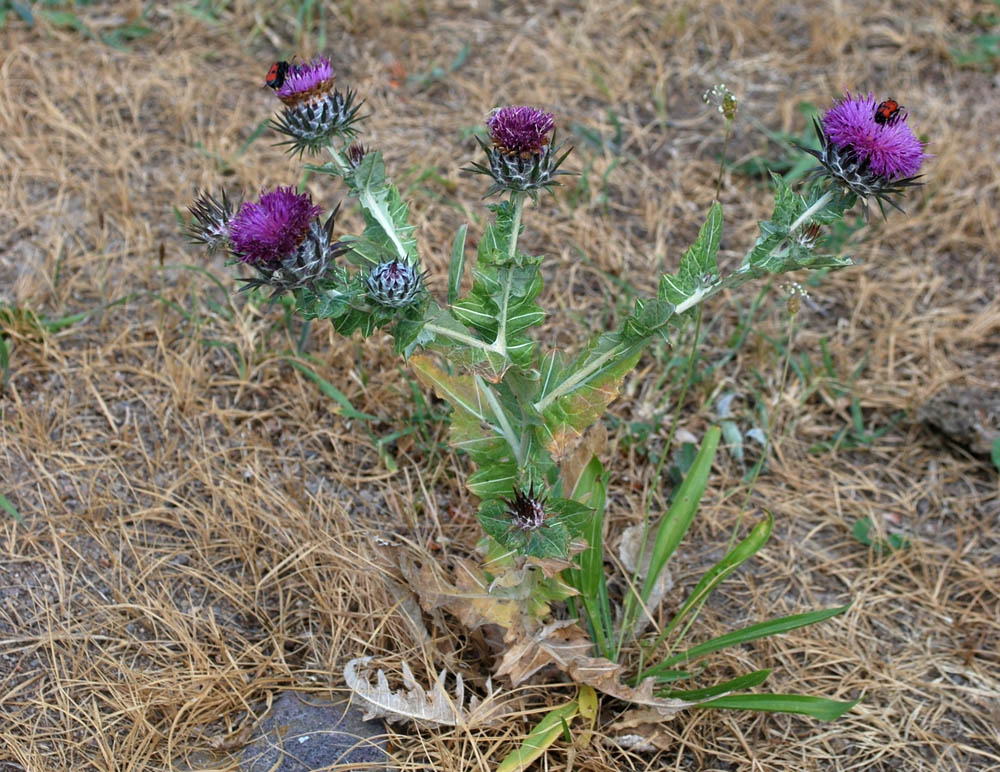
pixel 356 154
pixel 808 236
pixel 394 284
pixel 527 510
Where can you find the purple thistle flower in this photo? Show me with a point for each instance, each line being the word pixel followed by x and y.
pixel 521 157
pixel 315 112
pixel 267 232
pixel 889 147
pixel 520 130
pixel 306 81
pixel 867 150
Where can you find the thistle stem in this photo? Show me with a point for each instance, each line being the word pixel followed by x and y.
pixel 752 484
pixel 788 356
pixel 500 345
pixel 584 373
pixel 518 200
pixel 338 158
pixel 722 161
pixel 821 202
pixel 461 337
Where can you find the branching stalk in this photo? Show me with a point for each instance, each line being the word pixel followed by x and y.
pixel 583 374
pixel 508 431
pixel 461 337
pixel 807 215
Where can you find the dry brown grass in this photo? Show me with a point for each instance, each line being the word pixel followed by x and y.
pixel 199 537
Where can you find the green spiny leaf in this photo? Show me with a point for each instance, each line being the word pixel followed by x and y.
pixel 387 233
pixel 497 479
pixel 473 427
pixel 578 394
pixel 698 267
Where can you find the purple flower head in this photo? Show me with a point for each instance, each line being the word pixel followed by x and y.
pixel 305 81
pixel 267 232
pixel 520 130
pixel 889 147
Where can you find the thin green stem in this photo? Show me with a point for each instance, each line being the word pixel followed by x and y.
pixel 630 605
pixel 752 483
pixel 788 356
pixel 338 158
pixel 584 373
pixel 722 161
pixel 517 199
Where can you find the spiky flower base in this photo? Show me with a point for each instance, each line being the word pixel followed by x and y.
pixel 211 221
pixel 394 284
pixel 520 172
pixel 526 510
pixel 844 167
pixel 312 124
pixel 306 266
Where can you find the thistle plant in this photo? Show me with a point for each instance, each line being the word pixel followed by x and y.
pixel 520 410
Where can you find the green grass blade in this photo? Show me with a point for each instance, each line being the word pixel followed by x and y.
pixel 733 560
pixel 747 634
pixel 11 509
pixel 817 707
pixel 331 391
pixel 457 265
pixel 747 681
pixel 678 518
pixel 590 579
pixel 4 364
pixel 539 738
pixel 666 676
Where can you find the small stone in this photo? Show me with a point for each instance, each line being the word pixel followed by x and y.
pixel 969 417
pixel 303 733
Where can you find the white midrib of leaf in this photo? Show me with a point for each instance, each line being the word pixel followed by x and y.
pixel 380 212
pixel 583 374
pixel 377 208
pixel 508 431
